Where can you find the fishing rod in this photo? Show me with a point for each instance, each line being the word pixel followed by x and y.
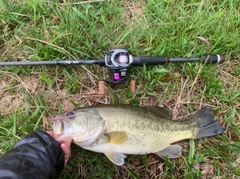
pixel 118 61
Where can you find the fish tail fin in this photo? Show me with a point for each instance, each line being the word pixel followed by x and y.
pixel 206 125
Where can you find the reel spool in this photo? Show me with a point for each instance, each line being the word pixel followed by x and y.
pixel 118 61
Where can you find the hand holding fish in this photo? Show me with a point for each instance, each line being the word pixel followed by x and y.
pixel 65 147
pixel 37 155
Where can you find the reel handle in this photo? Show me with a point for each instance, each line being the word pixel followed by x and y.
pixel 145 60
pixel 213 58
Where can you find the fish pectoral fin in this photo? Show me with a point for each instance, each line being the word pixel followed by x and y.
pixel 172 151
pixel 116 158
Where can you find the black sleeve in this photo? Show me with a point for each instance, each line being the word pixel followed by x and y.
pixel 38 155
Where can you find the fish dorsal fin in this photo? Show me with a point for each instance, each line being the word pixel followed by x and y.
pixel 160 111
pixel 172 151
pixel 116 158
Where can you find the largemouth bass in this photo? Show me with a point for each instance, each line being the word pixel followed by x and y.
pixel 116 130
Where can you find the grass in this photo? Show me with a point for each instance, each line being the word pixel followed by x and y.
pixel 48 30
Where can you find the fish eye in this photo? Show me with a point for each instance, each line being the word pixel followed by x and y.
pixel 70 114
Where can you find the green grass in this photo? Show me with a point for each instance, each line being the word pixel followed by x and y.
pixel 39 30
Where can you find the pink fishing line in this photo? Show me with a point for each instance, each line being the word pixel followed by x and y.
pixel 63 118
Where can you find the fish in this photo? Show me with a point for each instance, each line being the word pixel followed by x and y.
pixel 120 130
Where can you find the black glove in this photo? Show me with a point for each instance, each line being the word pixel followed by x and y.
pixel 38 155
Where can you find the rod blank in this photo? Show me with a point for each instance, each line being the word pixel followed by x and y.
pixel 63 62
